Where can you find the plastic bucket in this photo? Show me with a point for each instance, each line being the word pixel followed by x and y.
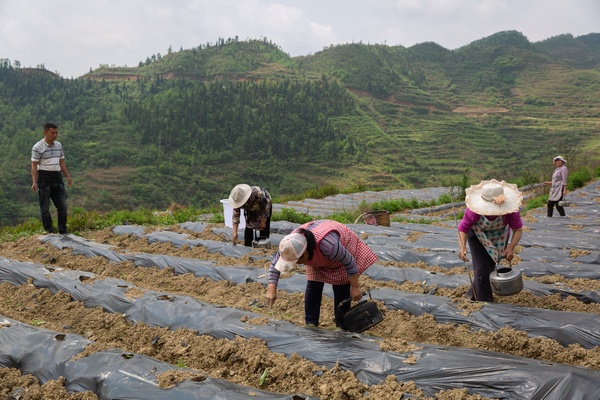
pixel 228 214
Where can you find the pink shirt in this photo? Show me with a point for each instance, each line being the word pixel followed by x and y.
pixel 513 220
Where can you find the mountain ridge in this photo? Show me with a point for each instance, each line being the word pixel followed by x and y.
pixel 187 126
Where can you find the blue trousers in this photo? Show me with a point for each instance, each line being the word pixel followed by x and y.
pixel 312 302
pixel 55 192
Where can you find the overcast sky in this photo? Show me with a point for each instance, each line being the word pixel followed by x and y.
pixel 71 36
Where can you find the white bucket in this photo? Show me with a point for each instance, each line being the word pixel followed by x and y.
pixel 228 214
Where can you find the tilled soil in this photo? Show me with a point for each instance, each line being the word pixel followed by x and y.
pixel 244 361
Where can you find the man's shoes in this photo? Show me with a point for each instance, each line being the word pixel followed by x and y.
pixel 63 232
pixel 310 326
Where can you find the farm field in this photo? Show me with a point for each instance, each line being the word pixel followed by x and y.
pixel 191 309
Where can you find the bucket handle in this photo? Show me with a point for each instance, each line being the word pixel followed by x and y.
pixel 498 263
pixel 349 300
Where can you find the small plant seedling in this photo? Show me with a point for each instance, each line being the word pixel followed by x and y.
pixel 263 377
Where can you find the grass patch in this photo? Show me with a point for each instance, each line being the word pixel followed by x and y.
pixel 535 202
pixel 322 192
pixel 291 215
pixel 81 220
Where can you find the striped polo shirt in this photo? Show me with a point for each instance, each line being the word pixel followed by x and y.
pixel 47 157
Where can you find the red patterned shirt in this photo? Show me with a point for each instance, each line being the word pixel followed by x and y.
pixel 339 253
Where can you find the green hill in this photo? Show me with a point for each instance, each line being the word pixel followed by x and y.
pixel 187 126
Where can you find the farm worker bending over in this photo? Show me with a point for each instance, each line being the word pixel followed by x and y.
pixel 331 253
pixel 257 206
pixel 492 211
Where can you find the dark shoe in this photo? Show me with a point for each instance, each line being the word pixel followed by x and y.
pixel 63 232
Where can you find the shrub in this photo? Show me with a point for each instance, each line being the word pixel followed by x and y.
pixel 407 204
pixel 29 227
pixel 291 215
pixel 579 178
pixel 345 216
pixel 444 199
pixel 536 202
pixel 81 220
pixel 324 191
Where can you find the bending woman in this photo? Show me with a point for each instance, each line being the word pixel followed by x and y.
pixel 331 253
pixel 257 207
pixel 492 211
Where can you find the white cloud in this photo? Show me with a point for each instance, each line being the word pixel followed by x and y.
pixel 72 36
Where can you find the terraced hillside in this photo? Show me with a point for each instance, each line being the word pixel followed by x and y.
pixel 186 127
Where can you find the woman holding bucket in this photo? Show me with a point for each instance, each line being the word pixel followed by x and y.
pixel 558 190
pixel 257 206
pixel 331 253
pixel 492 210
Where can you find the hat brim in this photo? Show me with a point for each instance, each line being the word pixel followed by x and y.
pixel 284 266
pixel 243 200
pixel 512 202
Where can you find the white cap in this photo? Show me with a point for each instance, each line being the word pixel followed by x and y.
pixel 291 249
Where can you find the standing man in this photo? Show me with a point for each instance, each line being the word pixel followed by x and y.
pixel 47 166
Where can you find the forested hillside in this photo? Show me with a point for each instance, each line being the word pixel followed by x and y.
pixel 187 126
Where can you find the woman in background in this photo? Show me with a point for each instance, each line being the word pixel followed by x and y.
pixel 558 190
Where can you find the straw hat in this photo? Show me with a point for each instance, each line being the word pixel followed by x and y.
pixel 493 198
pixel 239 195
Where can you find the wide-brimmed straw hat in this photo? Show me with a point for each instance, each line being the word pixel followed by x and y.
pixel 493 198
pixel 239 195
